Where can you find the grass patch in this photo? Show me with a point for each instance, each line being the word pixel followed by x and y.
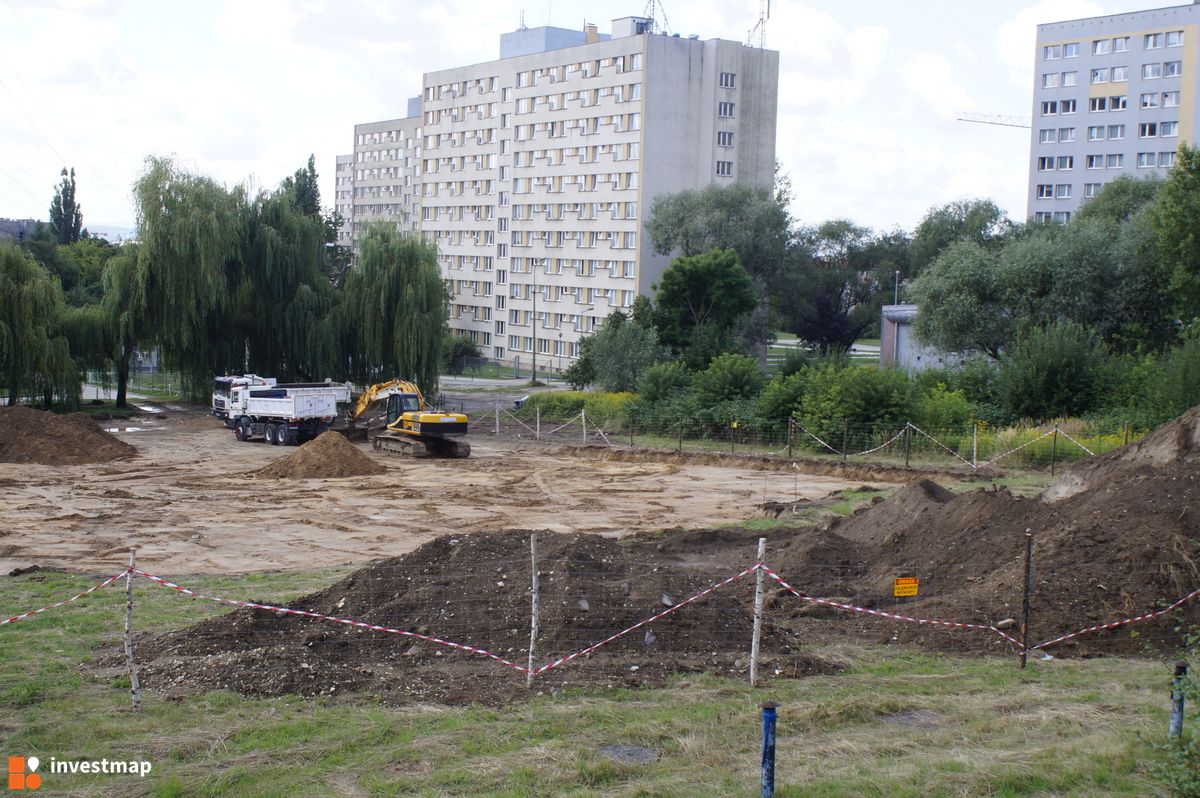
pixel 1059 728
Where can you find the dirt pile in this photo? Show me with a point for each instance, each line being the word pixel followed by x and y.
pixel 474 589
pixel 36 436
pixel 327 456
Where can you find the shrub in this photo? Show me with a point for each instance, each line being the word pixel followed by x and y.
pixel 1052 371
pixel 602 408
pixel 780 400
pixel 939 408
pixel 729 377
pixel 859 395
pixel 457 351
pixel 661 381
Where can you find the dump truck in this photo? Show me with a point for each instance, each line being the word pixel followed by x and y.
pixel 279 414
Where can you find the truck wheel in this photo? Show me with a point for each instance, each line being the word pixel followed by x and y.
pixel 285 436
pixel 272 434
pixel 242 430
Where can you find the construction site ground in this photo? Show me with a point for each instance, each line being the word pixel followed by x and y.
pixel 191 502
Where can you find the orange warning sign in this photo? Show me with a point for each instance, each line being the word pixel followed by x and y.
pixel 906 586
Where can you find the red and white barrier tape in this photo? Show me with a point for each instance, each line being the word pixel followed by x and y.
pixel 640 624
pixel 1067 435
pixel 889 615
pixel 944 446
pixel 1101 627
pixel 334 619
pixel 76 597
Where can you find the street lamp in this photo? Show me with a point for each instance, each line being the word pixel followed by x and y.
pixel 896 289
pixel 533 262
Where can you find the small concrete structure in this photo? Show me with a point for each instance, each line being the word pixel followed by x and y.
pixel 898 346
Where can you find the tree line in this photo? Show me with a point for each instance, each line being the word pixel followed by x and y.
pixel 220 280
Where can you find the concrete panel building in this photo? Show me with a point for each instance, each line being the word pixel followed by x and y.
pixel 538 170
pixel 387 171
pixel 1113 96
pixel 343 199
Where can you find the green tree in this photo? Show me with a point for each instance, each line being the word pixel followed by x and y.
pixel 962 306
pixel 190 233
pixel 1175 217
pixel 124 314
pixel 393 313
pixel 620 352
pixel 1121 199
pixel 1051 372
pixel 662 380
pixel 66 215
pixel 34 354
pixel 457 352
pixel 880 399
pixel 729 376
pixel 699 301
pixel 978 221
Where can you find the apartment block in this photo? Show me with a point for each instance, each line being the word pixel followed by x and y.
pixel 534 173
pixel 1113 96
pixel 343 199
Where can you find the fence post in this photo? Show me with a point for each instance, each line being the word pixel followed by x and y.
pixel 1126 433
pixel 791 435
pixel 845 439
pixel 497 419
pixel 768 750
pixel 679 446
pixel 907 441
pixel 1053 451
pixel 756 637
pixel 533 618
pixel 1028 591
pixel 1175 730
pixel 583 423
pixel 975 445
pixel 537 423
pixel 630 433
pixel 732 434
pixel 135 687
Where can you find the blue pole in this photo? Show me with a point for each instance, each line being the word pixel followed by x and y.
pixel 768 751
pixel 1176 727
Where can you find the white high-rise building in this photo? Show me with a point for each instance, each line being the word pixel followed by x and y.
pixel 537 171
pixel 387 169
pixel 1112 96
pixel 343 199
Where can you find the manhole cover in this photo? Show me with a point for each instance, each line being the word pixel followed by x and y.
pixel 629 754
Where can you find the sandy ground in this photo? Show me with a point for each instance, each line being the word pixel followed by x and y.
pixel 189 504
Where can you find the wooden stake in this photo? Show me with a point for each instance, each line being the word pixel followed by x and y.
pixel 135 687
pixel 533 625
pixel 758 613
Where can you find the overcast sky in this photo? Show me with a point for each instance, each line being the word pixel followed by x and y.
pixel 868 90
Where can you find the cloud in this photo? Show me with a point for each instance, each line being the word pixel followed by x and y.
pixel 1017 37
pixel 931 80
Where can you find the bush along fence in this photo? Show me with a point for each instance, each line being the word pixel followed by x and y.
pixel 975 447
pixel 772 593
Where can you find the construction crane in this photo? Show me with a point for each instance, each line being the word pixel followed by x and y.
pixel 996 119
pixel 760 27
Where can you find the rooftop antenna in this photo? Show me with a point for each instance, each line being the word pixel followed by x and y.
pixel 654 9
pixel 522 25
pixel 760 27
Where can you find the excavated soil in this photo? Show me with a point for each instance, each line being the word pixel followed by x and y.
pixel 37 436
pixel 474 589
pixel 327 456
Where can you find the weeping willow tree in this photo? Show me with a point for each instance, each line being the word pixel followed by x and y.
pixel 393 310
pixel 189 228
pixel 124 314
pixel 35 357
pixel 282 297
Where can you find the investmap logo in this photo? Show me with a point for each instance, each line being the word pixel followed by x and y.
pixel 23 775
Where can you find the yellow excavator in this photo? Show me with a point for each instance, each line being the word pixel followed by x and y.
pixel 411 427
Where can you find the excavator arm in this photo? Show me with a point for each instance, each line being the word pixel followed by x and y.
pixel 381 391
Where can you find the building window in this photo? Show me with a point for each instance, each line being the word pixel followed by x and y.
pixel 1045 164
pixel 1065 162
pixel 1146 160
pixel 1066 134
pixel 1172 69
pixel 1046 135
pixel 724 138
pixel 1100 75
pixel 1045 191
pixel 1091 189
pixel 1070 79
pixel 1062 217
pixel 1067 106
pixel 1101 46
pixel 1049 108
pixel 1096 133
pixel 1115 161
pixel 1098 104
pixel 1120 74
pixel 1166 160
pixel 1153 41
pixel 1170 99
pixel 1094 162
pixel 1063 191
pixel 1174 38
pixel 725 168
pixel 1150 100
pixel 1151 71
pixel 1147 130
pixel 725 110
pixel 1052 52
pixel 1121 44
pixel 1116 132
pixel 1168 130
pixel 1118 103
pixel 727 80
pixel 1050 80
pixel 1043 216
pixel 1071 50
